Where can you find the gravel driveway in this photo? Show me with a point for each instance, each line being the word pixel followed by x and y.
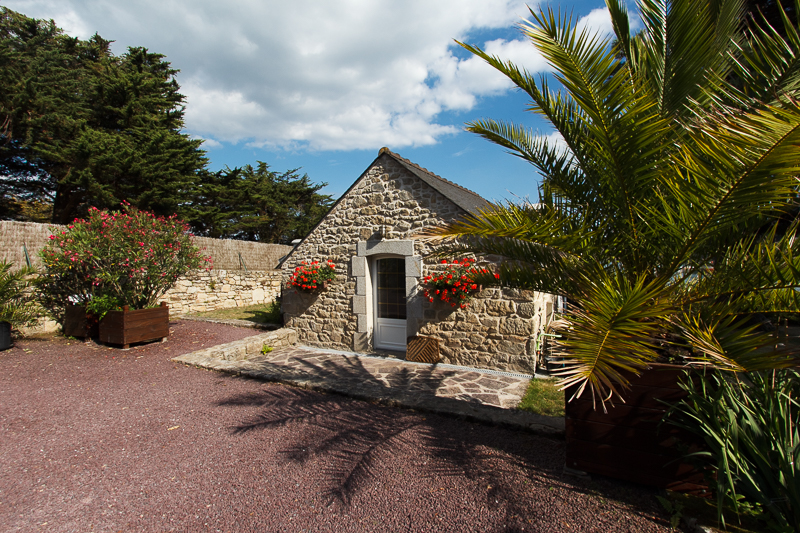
pixel 100 439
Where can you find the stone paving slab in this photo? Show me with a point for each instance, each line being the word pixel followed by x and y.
pixel 470 393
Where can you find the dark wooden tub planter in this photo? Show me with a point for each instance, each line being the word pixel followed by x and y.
pixel 138 325
pixel 628 442
pixel 79 324
pixel 5 335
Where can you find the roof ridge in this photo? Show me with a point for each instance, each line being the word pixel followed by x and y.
pixel 386 150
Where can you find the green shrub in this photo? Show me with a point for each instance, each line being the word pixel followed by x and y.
pixel 17 305
pixel 102 304
pixel 126 258
pixel 751 427
pixel 273 314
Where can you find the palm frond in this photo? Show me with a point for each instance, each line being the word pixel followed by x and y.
pixel 613 330
pixel 759 274
pixel 753 174
pixel 540 246
pixel 549 159
pixel 766 62
pixel 682 45
pixel 682 154
pixel 726 342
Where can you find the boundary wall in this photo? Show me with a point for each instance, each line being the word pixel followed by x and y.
pixel 227 285
pixel 228 254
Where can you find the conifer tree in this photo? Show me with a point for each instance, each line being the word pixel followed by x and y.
pixel 81 127
pixel 258 204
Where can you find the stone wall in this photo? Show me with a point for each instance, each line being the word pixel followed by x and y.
pixel 221 289
pixel 199 291
pixel 227 254
pixel 205 291
pixel 382 214
pixel 499 329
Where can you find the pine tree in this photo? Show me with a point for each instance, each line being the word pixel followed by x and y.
pixel 81 127
pixel 257 204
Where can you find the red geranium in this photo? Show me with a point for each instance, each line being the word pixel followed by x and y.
pixel 456 285
pixel 311 276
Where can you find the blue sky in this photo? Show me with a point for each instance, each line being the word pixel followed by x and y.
pixel 322 85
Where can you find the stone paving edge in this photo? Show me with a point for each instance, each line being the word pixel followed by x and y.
pixel 231 322
pixel 232 358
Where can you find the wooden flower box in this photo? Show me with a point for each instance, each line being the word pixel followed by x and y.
pixel 78 324
pixel 138 325
pixel 321 287
pixel 629 441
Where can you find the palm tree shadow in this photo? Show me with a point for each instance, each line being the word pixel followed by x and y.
pixel 351 440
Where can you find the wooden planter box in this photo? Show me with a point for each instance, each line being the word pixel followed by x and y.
pixel 78 324
pixel 139 325
pixel 628 442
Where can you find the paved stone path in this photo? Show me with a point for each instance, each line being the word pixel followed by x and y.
pixel 471 393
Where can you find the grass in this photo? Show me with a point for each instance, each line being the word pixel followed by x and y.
pixel 705 512
pixel 260 314
pixel 543 398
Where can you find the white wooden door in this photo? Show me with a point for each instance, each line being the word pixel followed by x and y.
pixel 390 303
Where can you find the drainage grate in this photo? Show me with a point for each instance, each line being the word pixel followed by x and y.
pixel 486 371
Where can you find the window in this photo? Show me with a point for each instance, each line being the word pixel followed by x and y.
pixel 391 288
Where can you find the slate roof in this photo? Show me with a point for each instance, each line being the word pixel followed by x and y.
pixel 463 198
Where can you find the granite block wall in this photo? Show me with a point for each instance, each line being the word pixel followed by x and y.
pixel 220 289
pixel 382 215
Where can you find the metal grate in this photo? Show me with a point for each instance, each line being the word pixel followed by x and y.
pixel 487 371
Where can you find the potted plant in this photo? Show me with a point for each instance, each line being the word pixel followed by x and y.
pixel 313 276
pixel 630 441
pixel 668 206
pixel 112 261
pixel 17 305
pixel 456 284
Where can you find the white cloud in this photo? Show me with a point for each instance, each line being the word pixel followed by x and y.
pixel 209 144
pixel 597 21
pixel 557 142
pixel 313 73
pixel 65 17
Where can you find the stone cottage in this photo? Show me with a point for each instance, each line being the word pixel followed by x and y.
pixel 370 234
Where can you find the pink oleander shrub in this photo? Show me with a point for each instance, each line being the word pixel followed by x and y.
pixel 311 276
pixel 455 285
pixel 111 259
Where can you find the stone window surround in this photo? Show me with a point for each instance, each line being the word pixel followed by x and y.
pixel 362 301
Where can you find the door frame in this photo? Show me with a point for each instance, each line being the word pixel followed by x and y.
pixel 363 300
pixel 389 323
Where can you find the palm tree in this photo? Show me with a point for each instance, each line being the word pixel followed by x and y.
pixel 667 219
